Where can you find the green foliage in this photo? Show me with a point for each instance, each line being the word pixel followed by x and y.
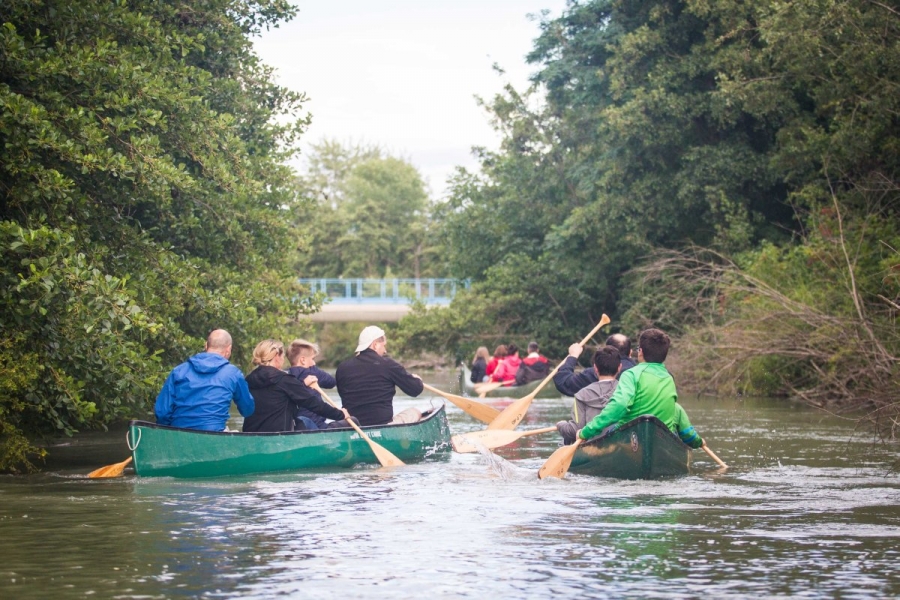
pixel 764 131
pixel 144 201
pixel 369 215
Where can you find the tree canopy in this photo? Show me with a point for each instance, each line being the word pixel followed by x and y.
pixel 144 201
pixel 765 132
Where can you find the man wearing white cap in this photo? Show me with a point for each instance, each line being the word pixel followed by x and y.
pixel 367 382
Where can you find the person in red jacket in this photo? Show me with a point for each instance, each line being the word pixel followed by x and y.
pixel 534 367
pixel 500 353
pixel 506 370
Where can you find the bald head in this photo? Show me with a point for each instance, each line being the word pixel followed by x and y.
pixel 219 342
pixel 621 343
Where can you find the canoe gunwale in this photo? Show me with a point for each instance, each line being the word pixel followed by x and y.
pixel 513 391
pixel 434 412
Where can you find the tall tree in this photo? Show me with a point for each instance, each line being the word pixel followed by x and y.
pixel 369 218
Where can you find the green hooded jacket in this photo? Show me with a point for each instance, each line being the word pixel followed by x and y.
pixel 647 389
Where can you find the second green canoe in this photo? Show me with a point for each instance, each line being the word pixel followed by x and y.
pixel 643 448
pixel 161 451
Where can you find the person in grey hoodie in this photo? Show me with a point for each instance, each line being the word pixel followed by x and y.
pixel 590 400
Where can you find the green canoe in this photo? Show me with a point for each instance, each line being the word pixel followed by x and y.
pixel 512 391
pixel 161 451
pixel 640 449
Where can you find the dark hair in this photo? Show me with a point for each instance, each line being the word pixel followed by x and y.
pixel 654 343
pixel 620 342
pixel 511 349
pixel 607 360
pixel 500 351
pixel 533 347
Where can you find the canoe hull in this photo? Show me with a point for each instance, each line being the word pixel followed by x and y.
pixel 161 451
pixel 641 449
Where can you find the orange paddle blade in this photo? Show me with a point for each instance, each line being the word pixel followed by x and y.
pixel 110 470
pixel 558 463
pixel 482 412
pixel 483 388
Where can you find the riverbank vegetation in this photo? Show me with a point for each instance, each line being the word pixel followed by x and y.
pixel 142 149
pixel 725 170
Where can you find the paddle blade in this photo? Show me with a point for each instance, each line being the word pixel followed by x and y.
pixel 490 439
pixel 110 470
pixel 558 463
pixel 512 415
pixel 383 455
pixel 483 388
pixel 482 412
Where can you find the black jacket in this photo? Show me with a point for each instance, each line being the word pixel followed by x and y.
pixel 479 367
pixel 367 384
pixel 568 382
pixel 278 395
pixel 532 369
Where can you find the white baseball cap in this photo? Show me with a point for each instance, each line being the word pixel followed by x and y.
pixel 367 336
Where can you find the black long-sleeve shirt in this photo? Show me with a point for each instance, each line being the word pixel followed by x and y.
pixel 367 384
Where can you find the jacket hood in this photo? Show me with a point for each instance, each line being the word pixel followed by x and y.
pixel 265 376
pixel 597 392
pixel 207 362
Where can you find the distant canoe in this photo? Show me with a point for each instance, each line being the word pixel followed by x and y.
pixel 161 451
pixel 641 449
pixel 512 391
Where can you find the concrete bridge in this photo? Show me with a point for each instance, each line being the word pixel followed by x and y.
pixel 378 300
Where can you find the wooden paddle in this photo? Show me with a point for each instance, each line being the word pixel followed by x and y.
pixel 490 439
pixel 482 412
pixel 558 463
pixel 110 470
pixel 383 455
pixel 713 456
pixel 483 388
pixel 515 412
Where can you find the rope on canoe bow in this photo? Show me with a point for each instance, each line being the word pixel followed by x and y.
pixel 128 441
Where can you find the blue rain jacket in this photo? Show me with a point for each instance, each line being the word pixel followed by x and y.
pixel 198 394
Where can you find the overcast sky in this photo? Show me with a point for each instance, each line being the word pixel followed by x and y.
pixel 403 74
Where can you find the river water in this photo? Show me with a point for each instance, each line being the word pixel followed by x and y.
pixel 807 509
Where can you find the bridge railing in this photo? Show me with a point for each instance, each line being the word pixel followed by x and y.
pixel 386 291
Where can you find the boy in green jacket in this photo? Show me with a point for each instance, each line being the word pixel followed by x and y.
pixel 646 389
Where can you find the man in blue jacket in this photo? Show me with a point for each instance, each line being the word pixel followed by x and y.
pixel 569 382
pixel 198 392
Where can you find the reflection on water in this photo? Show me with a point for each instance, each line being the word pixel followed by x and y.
pixel 805 510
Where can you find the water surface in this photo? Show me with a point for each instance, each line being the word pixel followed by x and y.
pixel 806 509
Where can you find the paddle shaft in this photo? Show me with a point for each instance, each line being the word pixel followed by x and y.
pixel 713 456
pixel 482 412
pixel 491 438
pixel 515 412
pixel 604 320
pixel 384 456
